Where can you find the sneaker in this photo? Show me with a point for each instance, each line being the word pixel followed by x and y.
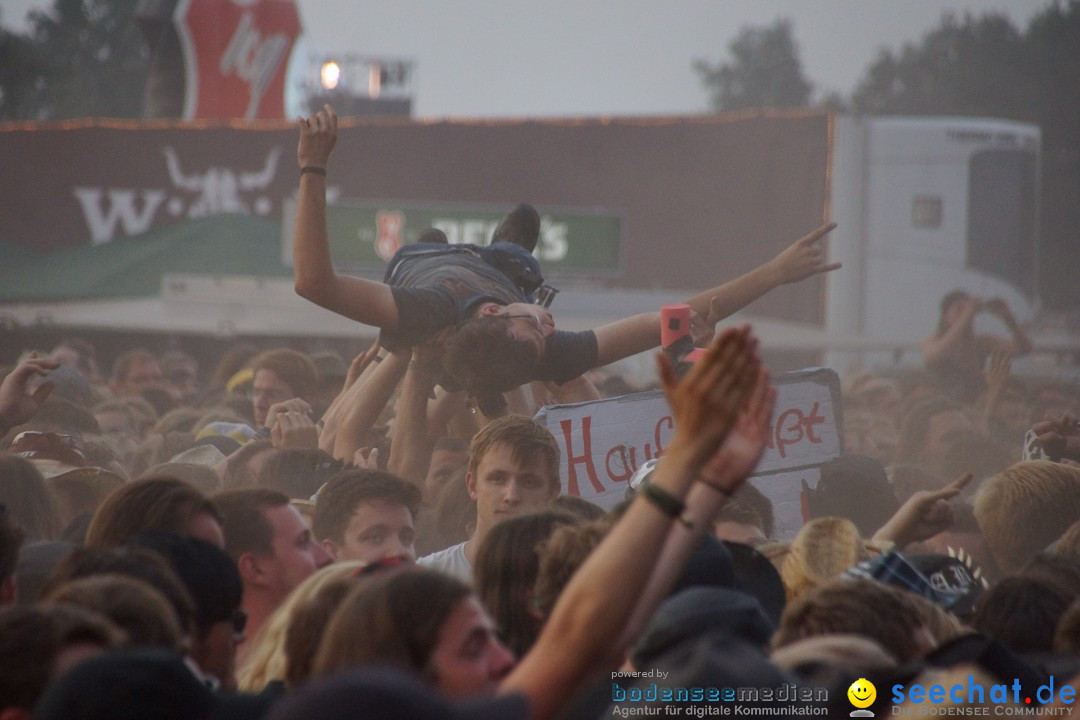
pixel 521 226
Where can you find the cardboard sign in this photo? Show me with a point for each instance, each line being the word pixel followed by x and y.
pixel 235 53
pixel 603 442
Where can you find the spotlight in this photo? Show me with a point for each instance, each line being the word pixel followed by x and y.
pixel 330 75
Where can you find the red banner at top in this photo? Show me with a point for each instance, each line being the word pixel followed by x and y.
pixel 235 54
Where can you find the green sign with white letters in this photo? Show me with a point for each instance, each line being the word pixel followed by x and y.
pixel 363 236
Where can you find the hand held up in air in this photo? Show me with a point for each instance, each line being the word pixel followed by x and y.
pixel 803 258
pixel 706 403
pixel 318 134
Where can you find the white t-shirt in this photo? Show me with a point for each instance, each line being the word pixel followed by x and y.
pixel 451 561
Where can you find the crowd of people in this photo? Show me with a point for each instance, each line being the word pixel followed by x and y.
pixel 309 536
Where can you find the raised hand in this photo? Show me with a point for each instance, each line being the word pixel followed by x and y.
pixel 292 405
pixel 923 515
pixel 803 258
pixel 318 134
pixel 703 329
pixel 1059 438
pixel 19 401
pixel 366 458
pixel 294 429
pixel 706 402
pixel 359 364
pixel 742 449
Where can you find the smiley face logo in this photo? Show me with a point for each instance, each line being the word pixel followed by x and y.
pixel 862 693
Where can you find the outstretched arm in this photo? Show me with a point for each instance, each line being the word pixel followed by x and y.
pixel 923 515
pixel 363 408
pixel 592 612
pixel 719 479
pixel 802 259
pixel 362 300
pixel 412 442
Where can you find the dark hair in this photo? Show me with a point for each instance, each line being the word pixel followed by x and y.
pixel 507 563
pixel 1022 612
pixel 1058 570
pixel 854 487
pixel 391 618
pixel 11 539
pixel 31 638
pixel 1067 633
pixel 153 503
pixel 30 503
pixel 29 643
pixel 298 472
pixel 565 550
pixel 856 607
pixel 131 561
pixel 209 575
pixel 947 301
pixel 579 507
pixel 345 491
pixel 484 360
pixel 133 605
pixel 244 521
pixel 293 368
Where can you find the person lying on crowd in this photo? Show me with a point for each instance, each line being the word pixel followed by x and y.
pixel 501 340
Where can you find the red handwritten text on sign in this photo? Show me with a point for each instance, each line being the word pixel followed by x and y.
pixel 620 460
pixel 604 442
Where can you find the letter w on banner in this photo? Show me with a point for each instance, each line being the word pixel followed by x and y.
pixel 604 441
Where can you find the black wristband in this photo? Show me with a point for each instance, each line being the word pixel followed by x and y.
pixel 313 169
pixel 665 502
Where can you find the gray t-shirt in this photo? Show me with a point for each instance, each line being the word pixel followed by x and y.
pixel 438 290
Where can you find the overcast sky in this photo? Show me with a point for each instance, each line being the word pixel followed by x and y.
pixel 504 58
